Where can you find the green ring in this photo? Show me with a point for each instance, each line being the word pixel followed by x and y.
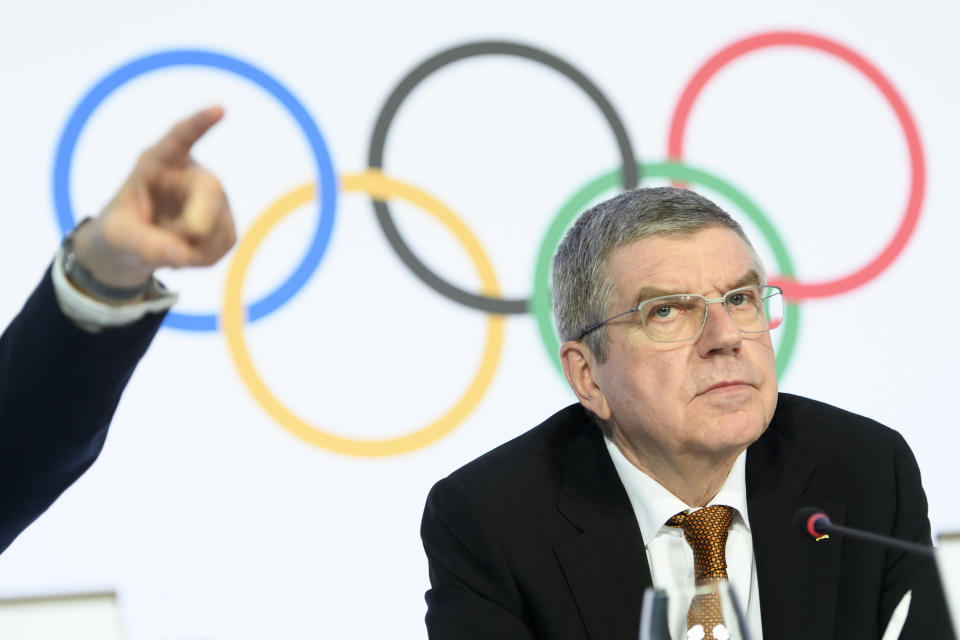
pixel 541 302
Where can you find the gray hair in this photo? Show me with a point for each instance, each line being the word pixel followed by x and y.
pixel 582 290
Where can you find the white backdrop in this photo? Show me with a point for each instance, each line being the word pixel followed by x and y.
pixel 212 520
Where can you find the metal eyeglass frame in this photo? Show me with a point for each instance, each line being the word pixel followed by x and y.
pixel 703 320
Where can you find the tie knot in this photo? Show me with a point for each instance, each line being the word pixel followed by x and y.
pixel 706 533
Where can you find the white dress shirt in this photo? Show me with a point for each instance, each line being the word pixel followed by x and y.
pixel 669 555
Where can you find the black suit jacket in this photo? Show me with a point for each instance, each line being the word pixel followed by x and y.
pixel 537 539
pixel 59 386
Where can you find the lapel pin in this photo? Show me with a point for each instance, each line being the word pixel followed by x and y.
pixel 825 536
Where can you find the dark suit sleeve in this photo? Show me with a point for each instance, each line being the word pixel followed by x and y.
pixel 59 387
pixel 928 617
pixel 473 594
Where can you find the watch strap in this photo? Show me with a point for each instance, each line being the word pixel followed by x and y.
pixel 86 281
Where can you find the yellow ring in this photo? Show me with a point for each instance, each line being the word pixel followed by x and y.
pixel 380 187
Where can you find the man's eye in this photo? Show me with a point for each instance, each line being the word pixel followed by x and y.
pixel 742 298
pixel 664 312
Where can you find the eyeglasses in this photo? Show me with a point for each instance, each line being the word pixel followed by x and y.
pixel 681 316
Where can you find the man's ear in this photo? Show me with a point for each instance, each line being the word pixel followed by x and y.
pixel 580 368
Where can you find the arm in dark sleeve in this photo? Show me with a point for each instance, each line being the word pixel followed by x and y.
pixel 928 617
pixel 59 387
pixel 473 595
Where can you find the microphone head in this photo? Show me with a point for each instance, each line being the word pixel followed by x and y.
pixel 810 521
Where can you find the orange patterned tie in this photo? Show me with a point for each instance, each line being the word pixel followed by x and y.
pixel 706 533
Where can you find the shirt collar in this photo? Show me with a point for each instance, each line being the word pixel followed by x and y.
pixel 653 504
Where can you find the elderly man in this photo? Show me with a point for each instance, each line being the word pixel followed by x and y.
pixel 680 465
pixel 66 357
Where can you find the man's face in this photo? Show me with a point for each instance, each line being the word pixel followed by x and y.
pixel 711 396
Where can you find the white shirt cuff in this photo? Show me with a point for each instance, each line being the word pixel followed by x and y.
pixel 93 315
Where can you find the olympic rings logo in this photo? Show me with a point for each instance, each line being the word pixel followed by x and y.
pixel 380 187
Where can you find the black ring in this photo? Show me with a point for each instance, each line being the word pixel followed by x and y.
pixel 412 79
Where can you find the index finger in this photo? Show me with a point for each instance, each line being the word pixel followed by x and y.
pixel 175 146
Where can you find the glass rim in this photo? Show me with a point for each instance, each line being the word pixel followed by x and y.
pixel 772 292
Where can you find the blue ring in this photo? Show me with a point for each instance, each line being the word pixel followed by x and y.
pixel 326 181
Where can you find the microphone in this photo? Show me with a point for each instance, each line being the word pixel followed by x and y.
pixel 813 522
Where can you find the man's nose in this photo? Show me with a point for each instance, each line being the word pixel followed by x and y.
pixel 720 332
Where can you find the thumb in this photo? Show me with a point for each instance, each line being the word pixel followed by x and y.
pixel 203 203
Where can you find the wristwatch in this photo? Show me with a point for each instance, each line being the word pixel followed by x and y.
pixel 86 281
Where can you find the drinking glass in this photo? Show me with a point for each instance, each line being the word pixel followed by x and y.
pixel 665 612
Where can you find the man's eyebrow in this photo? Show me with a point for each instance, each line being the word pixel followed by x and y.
pixel 649 293
pixel 750 278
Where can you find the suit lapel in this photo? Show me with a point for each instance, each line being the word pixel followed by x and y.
pixel 797 575
pixel 606 565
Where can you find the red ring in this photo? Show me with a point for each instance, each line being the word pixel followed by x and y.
pixel 812 524
pixel 792 288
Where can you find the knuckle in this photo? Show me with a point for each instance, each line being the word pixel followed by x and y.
pixel 147 159
pixel 211 182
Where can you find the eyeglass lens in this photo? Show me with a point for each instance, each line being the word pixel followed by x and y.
pixel 680 317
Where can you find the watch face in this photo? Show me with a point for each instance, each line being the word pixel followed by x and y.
pixel 69 257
